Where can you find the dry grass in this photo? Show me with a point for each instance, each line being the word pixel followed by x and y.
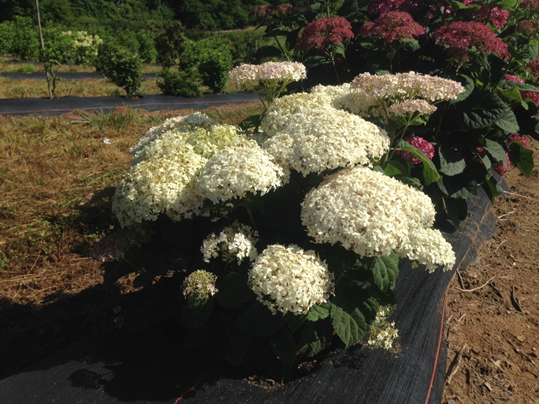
pixel 56 177
pixel 7 66
pixel 31 88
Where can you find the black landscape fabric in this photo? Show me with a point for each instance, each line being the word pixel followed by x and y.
pixel 64 105
pixel 150 369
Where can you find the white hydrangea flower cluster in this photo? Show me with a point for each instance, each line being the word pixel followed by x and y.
pixel 246 75
pixel 410 107
pixel 179 123
pixel 404 86
pixel 233 242
pixel 204 141
pixel 280 111
pixel 160 185
pixel 343 97
pixel 318 139
pixel 200 284
pixel 383 333
pixel 238 170
pixel 372 214
pixel 289 279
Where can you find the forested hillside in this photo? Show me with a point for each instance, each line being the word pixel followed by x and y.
pixel 194 14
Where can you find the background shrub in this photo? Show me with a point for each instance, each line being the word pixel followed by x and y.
pixel 122 67
pixel 184 84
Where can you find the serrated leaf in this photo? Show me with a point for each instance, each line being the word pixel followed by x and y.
pixel 451 161
pixel 496 150
pixel 522 158
pixel 318 312
pixel 508 121
pixel 258 321
pixel 492 108
pixel 233 290
pixel 315 337
pixel 284 347
pixel 391 262
pixel 384 271
pixel 348 321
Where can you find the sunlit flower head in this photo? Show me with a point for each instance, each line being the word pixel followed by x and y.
pixel 289 279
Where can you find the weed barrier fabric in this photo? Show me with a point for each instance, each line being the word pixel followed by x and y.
pixel 149 369
pixel 64 105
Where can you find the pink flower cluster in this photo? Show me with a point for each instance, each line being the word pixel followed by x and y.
pixel 495 16
pixel 384 6
pixel 461 36
pixel 518 138
pixel 532 5
pixel 267 12
pixel 534 68
pixel 528 28
pixel 321 33
pixel 393 26
pixel 524 94
pixel 499 167
pixel 419 143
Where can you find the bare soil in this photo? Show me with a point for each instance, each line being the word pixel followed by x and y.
pixel 492 315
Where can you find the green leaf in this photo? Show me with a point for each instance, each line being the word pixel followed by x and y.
pixel 451 161
pixel 196 312
pixel 469 86
pixel 385 270
pixel 491 187
pixel 348 321
pixel 315 337
pixel 233 290
pixel 318 312
pixel 252 121
pixel 522 158
pixel 508 121
pixel 514 94
pixel 430 173
pixel 258 321
pixel 268 51
pixel 505 4
pixel 485 113
pixel 284 347
pixel 496 150
pixel 396 167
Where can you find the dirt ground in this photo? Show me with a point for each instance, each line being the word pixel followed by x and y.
pixel 492 320
pixel 492 315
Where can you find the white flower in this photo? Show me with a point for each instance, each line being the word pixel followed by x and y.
pixel 178 123
pixel 405 86
pixel 160 185
pixel 372 214
pixel 237 171
pixel 203 141
pixel 200 285
pixel 315 140
pixel 233 242
pixel 247 75
pixel 107 141
pixel 289 279
pixel 383 333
